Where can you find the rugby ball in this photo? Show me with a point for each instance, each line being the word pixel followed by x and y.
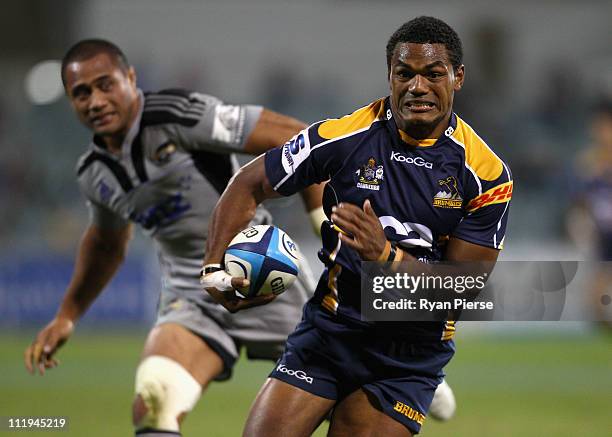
pixel 266 256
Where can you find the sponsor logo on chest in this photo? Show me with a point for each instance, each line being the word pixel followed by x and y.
pixel 409 160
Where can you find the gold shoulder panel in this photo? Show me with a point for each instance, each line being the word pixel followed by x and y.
pixel 478 156
pixel 362 118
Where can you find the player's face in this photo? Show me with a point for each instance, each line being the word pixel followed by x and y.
pixel 103 96
pixel 423 83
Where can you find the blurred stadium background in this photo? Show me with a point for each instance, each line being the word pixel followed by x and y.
pixel 533 69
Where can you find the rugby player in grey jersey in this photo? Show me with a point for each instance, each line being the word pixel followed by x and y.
pixel 161 160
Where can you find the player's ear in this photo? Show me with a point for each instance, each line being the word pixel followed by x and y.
pixel 459 77
pixel 132 76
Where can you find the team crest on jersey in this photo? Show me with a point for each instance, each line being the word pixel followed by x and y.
pixel 164 152
pixel 448 196
pixel 370 175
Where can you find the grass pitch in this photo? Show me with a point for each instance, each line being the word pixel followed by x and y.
pixel 529 386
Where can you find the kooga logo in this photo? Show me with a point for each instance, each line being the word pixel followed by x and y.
pixel 418 161
pixel 299 374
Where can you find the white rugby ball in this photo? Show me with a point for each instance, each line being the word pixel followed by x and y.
pixel 266 256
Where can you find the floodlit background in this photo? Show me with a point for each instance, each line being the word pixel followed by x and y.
pixel 533 70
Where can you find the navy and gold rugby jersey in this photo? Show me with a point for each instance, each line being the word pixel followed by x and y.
pixel 423 191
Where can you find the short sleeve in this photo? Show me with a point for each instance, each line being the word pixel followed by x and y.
pixel 197 122
pixel 487 215
pixel 318 152
pixel 304 160
pixel 104 218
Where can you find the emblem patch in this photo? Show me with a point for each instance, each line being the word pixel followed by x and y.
pixel 448 196
pixel 228 123
pixel 105 191
pixel 164 152
pixel 370 175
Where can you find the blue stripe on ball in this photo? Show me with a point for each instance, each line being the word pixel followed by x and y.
pixel 274 253
pixel 249 245
pixel 256 260
pixel 271 264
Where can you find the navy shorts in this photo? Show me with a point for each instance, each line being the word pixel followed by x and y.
pixel 331 359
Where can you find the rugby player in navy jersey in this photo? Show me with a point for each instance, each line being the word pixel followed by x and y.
pixel 409 180
pixel 589 219
pixel 161 160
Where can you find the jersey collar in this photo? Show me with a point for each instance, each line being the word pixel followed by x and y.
pixel 402 138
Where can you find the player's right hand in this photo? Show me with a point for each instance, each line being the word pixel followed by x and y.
pixel 40 353
pixel 222 287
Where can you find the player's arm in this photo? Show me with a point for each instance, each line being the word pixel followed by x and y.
pixel 461 251
pixel 478 237
pixel 281 171
pixel 249 129
pixel 364 233
pixel 361 230
pixel 248 188
pixel 100 253
pixel 273 130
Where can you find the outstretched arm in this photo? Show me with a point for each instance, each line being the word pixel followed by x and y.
pixel 100 254
pixel 224 128
pixel 271 130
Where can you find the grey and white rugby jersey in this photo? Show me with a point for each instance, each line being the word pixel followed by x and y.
pixel 175 162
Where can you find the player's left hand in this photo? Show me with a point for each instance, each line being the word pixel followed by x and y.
pixel 362 229
pixel 40 354
pixel 221 287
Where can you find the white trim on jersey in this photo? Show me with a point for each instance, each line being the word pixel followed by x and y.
pixel 480 188
pixel 498 228
pixel 476 178
pixel 324 143
pixel 507 171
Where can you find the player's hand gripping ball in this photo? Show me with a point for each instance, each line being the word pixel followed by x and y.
pixel 266 256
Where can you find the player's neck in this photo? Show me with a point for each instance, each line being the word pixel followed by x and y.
pixel 425 132
pixel 114 143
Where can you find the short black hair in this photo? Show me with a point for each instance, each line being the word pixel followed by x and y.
pixel 88 48
pixel 422 30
